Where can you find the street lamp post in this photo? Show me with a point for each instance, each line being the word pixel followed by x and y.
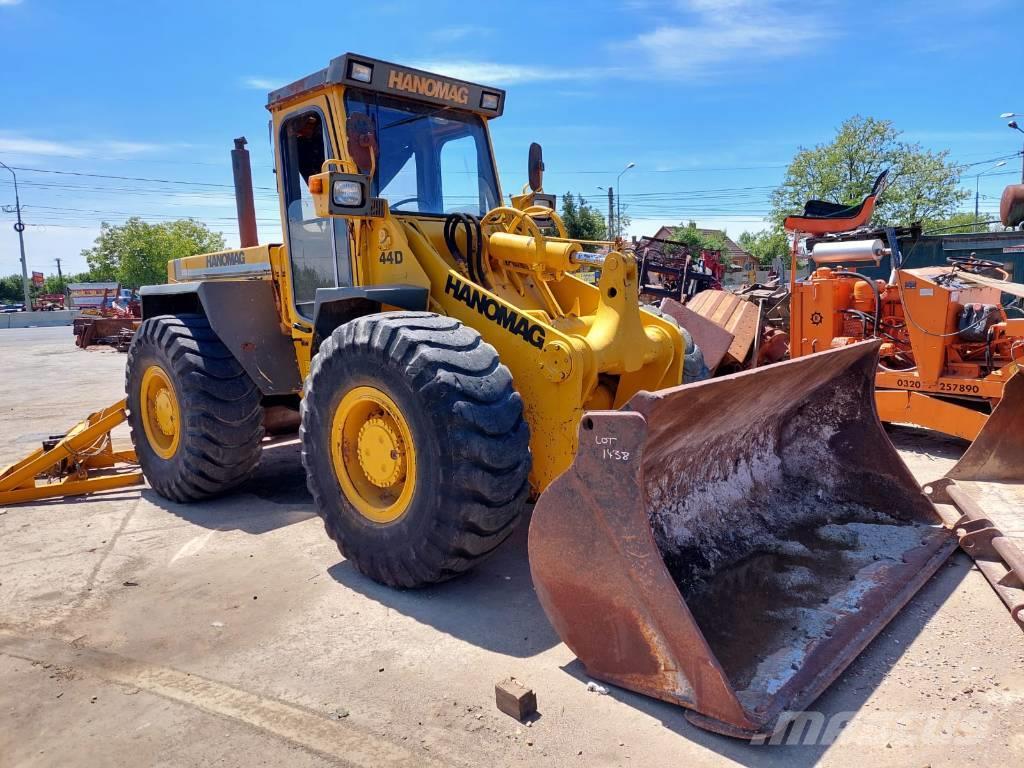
pixel 19 227
pixel 977 181
pixel 618 203
pixel 1013 124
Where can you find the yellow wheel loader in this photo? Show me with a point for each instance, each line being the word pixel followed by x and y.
pixel 727 545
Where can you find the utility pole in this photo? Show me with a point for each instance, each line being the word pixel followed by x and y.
pixel 60 275
pixel 977 181
pixel 19 227
pixel 618 204
pixel 611 214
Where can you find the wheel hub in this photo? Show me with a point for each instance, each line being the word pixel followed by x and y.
pixel 381 452
pixel 164 412
pixel 373 454
pixel 161 419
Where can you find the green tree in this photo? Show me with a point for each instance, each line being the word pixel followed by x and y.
pixel 922 184
pixel 765 245
pixel 10 289
pixel 961 222
pixel 582 222
pixel 696 240
pixel 136 253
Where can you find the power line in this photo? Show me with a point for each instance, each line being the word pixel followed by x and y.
pixel 133 178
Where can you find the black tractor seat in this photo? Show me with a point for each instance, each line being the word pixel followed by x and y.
pixel 821 217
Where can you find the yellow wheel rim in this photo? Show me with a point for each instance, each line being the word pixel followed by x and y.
pixel 161 417
pixel 373 454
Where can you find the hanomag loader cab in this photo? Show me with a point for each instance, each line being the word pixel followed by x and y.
pixel 729 545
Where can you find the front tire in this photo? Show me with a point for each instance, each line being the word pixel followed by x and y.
pixel 195 415
pixel 414 445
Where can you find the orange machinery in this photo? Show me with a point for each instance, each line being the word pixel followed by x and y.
pixel 948 347
pixel 948 361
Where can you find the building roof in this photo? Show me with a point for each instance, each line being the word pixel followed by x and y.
pixel 733 249
pixel 92 286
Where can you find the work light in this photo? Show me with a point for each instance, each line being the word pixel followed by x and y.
pixel 361 72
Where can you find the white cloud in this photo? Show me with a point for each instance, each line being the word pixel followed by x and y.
pixel 262 83
pixel 10 2
pixel 16 144
pixel 19 145
pixel 711 33
pixel 453 34
pixel 121 148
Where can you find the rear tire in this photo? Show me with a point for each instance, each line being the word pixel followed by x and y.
pixel 694 367
pixel 209 439
pixel 461 479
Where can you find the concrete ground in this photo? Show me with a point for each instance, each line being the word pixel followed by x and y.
pixel 138 631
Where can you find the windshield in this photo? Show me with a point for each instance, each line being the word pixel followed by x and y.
pixel 432 159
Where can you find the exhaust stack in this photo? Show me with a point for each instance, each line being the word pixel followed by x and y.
pixel 244 201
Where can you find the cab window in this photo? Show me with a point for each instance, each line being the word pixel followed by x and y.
pixel 432 160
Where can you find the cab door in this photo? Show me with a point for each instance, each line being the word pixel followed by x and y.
pixel 319 249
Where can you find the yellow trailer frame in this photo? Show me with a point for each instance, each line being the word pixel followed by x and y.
pixel 80 462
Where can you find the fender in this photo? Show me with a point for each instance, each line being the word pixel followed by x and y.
pixel 244 315
pixel 336 306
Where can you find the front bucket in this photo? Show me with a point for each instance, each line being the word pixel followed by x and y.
pixel 986 488
pixel 732 545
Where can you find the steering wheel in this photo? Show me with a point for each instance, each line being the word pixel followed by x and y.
pixel 974 265
pixel 517 222
pixel 393 206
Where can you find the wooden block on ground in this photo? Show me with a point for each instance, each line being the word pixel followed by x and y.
pixel 515 699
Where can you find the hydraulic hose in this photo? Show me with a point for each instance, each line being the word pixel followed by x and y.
pixel 472 260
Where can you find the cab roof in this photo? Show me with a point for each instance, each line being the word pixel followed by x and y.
pixel 355 70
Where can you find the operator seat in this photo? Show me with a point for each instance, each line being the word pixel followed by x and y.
pixel 821 217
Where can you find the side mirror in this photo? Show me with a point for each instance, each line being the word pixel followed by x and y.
pixel 361 135
pixel 340 194
pixel 535 168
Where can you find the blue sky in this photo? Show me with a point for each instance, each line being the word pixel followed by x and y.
pixel 709 99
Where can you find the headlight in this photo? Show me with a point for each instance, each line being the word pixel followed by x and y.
pixel 361 72
pixel 348 194
pixel 489 100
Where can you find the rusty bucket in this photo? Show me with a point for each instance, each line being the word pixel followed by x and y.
pixel 732 545
pixel 985 487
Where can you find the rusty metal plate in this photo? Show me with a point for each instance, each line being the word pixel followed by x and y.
pixel 732 545
pixel 997 454
pixel 713 340
pixel 986 488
